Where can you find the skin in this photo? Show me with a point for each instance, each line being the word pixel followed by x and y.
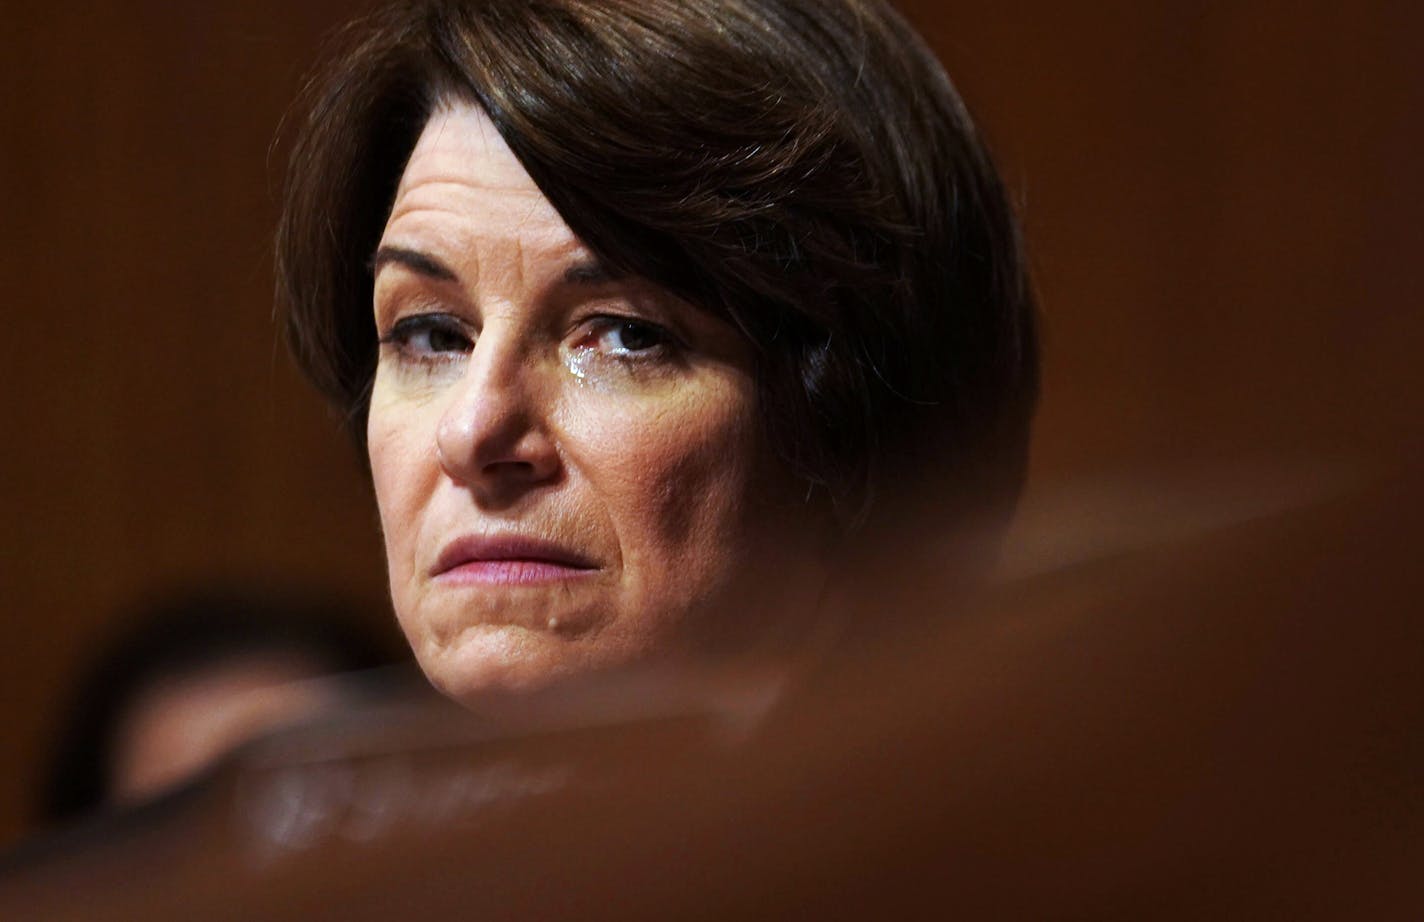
pixel 524 392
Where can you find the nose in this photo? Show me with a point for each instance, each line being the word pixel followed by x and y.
pixel 493 436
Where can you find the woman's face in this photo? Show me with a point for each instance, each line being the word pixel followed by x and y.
pixel 568 463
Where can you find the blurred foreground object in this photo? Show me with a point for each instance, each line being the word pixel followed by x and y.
pixel 192 678
pixel 1216 722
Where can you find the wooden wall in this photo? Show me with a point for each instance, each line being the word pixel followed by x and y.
pixel 1222 203
pixel 156 432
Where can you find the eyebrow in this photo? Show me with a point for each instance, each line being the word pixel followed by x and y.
pixel 417 262
pixel 591 271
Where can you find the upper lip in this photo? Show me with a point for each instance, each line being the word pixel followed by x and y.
pixel 477 548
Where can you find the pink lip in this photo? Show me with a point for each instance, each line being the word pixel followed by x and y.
pixel 508 560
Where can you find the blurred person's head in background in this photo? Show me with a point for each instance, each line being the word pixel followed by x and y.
pixel 190 679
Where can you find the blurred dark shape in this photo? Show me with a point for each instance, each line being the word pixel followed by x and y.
pixel 192 677
pixel 1218 718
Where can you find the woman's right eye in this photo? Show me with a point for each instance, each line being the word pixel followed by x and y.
pixel 430 336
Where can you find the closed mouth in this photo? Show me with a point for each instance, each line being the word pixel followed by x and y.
pixel 509 560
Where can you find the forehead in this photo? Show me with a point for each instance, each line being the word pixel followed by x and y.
pixel 460 144
pixel 463 190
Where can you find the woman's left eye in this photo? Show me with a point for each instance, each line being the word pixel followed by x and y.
pixel 620 336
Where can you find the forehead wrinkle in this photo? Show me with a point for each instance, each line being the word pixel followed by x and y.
pixel 468 182
pixel 440 190
pixel 485 148
pixel 517 264
pixel 466 199
pixel 539 203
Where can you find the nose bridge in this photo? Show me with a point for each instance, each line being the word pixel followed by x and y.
pixel 495 360
pixel 493 419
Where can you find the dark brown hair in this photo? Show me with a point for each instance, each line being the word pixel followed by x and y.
pixel 803 168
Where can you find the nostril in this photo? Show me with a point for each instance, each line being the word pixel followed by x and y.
pixel 509 467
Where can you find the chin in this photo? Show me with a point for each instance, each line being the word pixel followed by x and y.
pixel 493 660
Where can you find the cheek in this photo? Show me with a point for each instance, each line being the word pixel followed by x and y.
pixel 720 556
pixel 676 481
pixel 403 471
pixel 697 497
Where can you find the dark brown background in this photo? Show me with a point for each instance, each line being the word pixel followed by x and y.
pixel 1222 203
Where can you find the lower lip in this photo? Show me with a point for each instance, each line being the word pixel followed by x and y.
pixel 512 573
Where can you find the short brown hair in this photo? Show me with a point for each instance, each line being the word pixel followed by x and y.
pixel 803 168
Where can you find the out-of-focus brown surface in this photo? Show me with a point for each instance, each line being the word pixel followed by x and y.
pixel 1226 726
pixel 1222 201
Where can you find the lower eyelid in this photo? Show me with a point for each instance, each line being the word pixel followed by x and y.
pixel 424 371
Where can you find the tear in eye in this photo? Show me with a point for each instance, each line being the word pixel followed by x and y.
pixel 632 336
pixel 625 337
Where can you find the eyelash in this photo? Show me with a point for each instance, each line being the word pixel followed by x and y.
pixel 408 328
